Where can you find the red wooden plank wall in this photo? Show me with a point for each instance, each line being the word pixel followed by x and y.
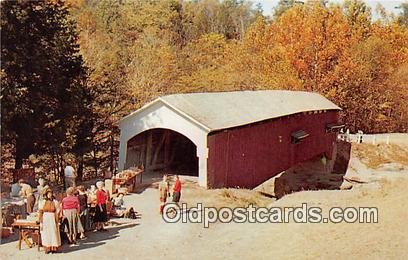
pixel 249 155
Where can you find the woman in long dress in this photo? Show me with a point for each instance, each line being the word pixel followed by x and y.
pixel 49 211
pixel 84 210
pixel 101 214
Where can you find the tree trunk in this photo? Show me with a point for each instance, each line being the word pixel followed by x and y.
pixel 19 154
pixel 19 161
pixel 61 169
pixel 111 152
pixel 95 162
pixel 80 171
pixel 55 167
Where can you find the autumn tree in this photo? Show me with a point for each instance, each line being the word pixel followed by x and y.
pixel 336 50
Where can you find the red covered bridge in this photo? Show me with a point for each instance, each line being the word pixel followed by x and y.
pixel 229 139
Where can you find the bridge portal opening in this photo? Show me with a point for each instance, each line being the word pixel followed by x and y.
pixel 162 150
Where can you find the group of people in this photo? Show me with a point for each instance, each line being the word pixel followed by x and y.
pixel 77 212
pixel 26 192
pixel 164 189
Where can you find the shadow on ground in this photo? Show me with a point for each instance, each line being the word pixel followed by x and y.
pixel 98 238
pixel 12 238
pixel 93 239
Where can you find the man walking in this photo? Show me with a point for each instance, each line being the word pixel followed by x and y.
pixel 70 176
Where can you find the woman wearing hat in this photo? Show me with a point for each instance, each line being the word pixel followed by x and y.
pixel 101 214
pixel 49 209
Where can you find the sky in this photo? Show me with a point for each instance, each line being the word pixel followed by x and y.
pixel 389 5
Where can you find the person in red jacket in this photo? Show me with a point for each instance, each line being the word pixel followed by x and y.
pixel 176 189
pixel 101 213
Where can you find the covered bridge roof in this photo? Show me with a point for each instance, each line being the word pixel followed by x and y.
pixel 221 110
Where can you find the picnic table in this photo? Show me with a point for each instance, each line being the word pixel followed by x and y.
pixel 27 229
pixel 12 208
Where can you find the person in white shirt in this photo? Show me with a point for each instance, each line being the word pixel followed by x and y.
pixel 70 176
